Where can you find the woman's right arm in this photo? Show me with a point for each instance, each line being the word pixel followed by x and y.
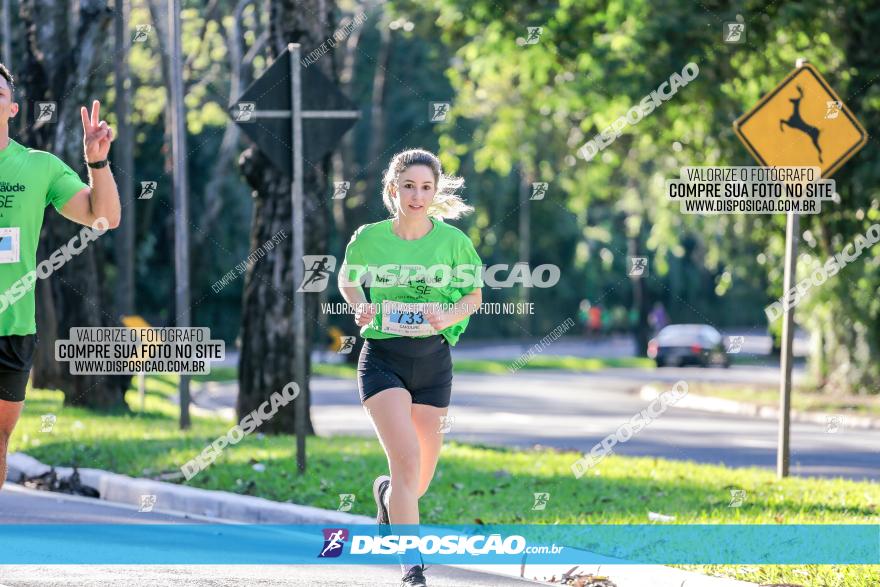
pixel 354 295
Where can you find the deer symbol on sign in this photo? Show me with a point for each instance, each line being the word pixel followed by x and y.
pixel 796 122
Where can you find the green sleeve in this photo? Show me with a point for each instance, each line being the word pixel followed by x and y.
pixel 466 254
pixel 64 183
pixel 354 256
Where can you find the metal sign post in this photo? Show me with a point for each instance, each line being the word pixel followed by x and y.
pixel 299 311
pixel 792 234
pixel 311 134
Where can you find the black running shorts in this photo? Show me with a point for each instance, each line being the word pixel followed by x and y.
pixel 16 360
pixel 422 366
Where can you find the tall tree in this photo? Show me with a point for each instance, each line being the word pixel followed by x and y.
pixel 267 349
pixel 65 51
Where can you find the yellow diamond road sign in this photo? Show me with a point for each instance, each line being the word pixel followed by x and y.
pixel 802 122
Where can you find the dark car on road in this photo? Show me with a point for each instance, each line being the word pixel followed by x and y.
pixel 689 344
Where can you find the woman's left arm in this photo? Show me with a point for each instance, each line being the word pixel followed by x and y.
pixel 463 308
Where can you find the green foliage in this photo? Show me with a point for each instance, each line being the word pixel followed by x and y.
pixel 534 105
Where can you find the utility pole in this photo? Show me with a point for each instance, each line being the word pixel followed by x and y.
pixel 125 156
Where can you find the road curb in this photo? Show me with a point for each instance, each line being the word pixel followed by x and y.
pixel 729 406
pixel 209 503
pixel 223 506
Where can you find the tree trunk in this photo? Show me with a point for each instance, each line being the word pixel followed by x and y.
pixel 267 349
pixel 61 63
pixel 367 197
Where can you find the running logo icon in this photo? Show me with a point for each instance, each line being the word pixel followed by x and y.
pixel 638 266
pixel 541 500
pixel 438 111
pixel 346 344
pixel 736 344
pixel 148 188
pixel 539 190
pixel 47 422
pixel 340 189
pixel 346 500
pixel 832 109
pixel 446 423
pixel 318 269
pixel 534 34
pixel 45 112
pixel 147 503
pixel 834 423
pixel 734 33
pixel 141 33
pixel 737 497
pixel 245 112
pixel 334 541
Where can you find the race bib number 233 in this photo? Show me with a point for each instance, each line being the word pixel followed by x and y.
pixel 406 319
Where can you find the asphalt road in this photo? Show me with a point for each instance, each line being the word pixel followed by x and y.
pixel 575 411
pixel 23 506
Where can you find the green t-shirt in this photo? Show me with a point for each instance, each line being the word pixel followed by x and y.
pixel 442 266
pixel 30 180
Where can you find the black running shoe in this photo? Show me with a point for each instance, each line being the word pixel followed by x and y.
pixel 380 486
pixel 414 577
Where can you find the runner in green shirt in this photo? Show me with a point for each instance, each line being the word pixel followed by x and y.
pixel 424 280
pixel 394 267
pixel 31 180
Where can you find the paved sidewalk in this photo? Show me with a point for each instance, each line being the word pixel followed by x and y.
pixel 729 406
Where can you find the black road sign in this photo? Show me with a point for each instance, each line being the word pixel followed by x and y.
pixel 263 113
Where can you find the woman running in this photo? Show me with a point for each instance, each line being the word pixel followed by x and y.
pixel 420 303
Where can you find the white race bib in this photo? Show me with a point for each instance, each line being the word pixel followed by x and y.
pixel 406 319
pixel 9 245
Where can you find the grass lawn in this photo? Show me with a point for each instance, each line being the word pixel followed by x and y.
pixel 802 399
pixel 472 482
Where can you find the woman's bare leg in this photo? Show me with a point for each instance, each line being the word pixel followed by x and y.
pixel 428 422
pixel 9 413
pixel 391 412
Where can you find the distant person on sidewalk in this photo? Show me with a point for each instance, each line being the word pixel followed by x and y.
pixel 657 319
pixel 584 316
pixel 31 180
pixel 595 320
pixel 405 365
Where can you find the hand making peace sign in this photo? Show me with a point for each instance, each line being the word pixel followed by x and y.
pixel 97 135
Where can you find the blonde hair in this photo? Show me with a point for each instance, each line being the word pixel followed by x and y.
pixel 446 203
